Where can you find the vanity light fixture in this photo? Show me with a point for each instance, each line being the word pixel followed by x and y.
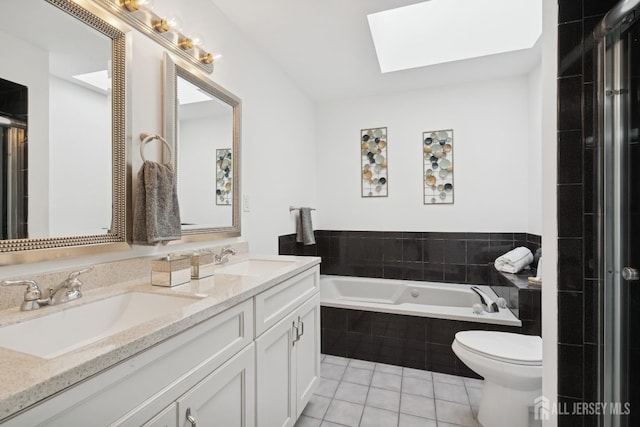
pixel 166 31
pixel 207 58
pixel 185 43
pixel 160 26
pixel 130 5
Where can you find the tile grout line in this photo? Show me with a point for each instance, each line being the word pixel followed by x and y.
pixel 435 399
pixel 364 405
pixel 400 400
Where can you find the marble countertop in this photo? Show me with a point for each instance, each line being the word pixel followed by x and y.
pixel 27 379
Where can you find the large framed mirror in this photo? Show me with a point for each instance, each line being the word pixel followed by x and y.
pixel 202 123
pixel 63 173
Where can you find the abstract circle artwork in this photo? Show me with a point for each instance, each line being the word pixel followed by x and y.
pixel 437 152
pixel 373 170
pixel 224 182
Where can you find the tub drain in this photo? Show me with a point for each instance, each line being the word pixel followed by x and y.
pixel 415 293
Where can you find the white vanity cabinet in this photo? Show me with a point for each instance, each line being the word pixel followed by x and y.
pixel 166 418
pixel 134 391
pixel 224 398
pixel 255 364
pixel 288 353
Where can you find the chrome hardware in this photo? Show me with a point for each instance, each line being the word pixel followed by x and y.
pixel 488 305
pixel 223 256
pixel 68 289
pixel 32 296
pixel 301 326
pixel 297 338
pixel 191 418
pixel 630 274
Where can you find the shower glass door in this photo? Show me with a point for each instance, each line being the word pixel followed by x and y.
pixel 621 237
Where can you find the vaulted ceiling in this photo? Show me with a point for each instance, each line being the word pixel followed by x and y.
pixel 326 48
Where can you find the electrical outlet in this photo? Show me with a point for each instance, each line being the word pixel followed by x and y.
pixel 245 203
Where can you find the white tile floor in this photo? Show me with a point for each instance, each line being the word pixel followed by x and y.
pixel 357 393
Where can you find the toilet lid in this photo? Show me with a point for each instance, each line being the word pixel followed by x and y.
pixel 503 346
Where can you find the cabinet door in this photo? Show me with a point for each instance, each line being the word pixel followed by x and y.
pixel 166 418
pixel 275 367
pixel 307 350
pixel 224 398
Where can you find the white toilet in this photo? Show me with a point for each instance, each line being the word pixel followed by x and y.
pixel 511 365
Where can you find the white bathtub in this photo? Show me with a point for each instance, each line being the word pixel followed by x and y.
pixel 425 299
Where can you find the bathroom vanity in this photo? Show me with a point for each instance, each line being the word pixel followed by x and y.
pixel 241 348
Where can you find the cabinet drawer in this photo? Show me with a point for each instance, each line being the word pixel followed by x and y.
pixel 276 303
pixel 136 389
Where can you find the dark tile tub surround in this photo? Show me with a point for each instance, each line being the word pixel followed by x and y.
pixel 428 256
pixel 524 299
pixel 410 341
pixel 579 210
pixel 416 342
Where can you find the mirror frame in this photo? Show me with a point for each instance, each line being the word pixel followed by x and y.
pixel 172 71
pixel 18 251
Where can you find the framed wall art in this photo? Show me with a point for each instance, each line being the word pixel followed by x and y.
pixel 437 147
pixel 224 175
pixel 374 168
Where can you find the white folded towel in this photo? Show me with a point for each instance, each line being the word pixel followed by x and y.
pixel 514 260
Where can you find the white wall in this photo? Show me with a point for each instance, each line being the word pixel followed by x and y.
pixel 278 128
pixel 491 137
pixel 199 138
pixel 28 65
pixel 534 152
pixel 277 119
pixel 80 153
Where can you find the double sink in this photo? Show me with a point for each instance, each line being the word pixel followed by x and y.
pixel 58 332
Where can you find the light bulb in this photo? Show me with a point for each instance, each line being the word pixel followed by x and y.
pixel 175 23
pixel 198 40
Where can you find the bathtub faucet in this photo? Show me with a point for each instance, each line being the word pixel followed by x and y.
pixel 488 305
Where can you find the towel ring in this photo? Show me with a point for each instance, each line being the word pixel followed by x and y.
pixel 148 137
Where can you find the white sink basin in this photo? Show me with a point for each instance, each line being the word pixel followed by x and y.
pixel 59 332
pixel 254 267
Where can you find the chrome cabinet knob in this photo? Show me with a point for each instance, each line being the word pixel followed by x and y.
pixel 191 418
pixel 630 274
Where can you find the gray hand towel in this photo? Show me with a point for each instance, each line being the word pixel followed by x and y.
pixel 304 228
pixel 156 216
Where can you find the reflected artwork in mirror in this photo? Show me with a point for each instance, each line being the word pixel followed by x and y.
pixel 202 120
pixel 62 124
pixel 437 148
pixel 224 177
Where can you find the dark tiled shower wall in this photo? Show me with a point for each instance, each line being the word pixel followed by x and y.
pixel 429 256
pixel 579 283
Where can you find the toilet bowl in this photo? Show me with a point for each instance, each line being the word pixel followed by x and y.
pixel 511 365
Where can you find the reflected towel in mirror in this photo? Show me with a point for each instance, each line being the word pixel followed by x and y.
pixel 157 214
pixel 304 227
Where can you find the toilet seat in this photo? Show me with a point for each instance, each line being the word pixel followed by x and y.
pixel 505 347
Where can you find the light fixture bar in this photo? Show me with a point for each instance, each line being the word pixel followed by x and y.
pixel 157 28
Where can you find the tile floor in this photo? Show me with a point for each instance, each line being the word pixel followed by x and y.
pixel 356 393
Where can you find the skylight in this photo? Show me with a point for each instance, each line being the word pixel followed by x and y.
pixel 98 79
pixel 439 31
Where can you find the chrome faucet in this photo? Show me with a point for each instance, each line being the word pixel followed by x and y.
pixel 223 256
pixel 488 305
pixel 68 290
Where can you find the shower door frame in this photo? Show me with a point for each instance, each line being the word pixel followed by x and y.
pixel 613 112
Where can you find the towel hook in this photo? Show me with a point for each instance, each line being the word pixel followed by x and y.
pixel 148 137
